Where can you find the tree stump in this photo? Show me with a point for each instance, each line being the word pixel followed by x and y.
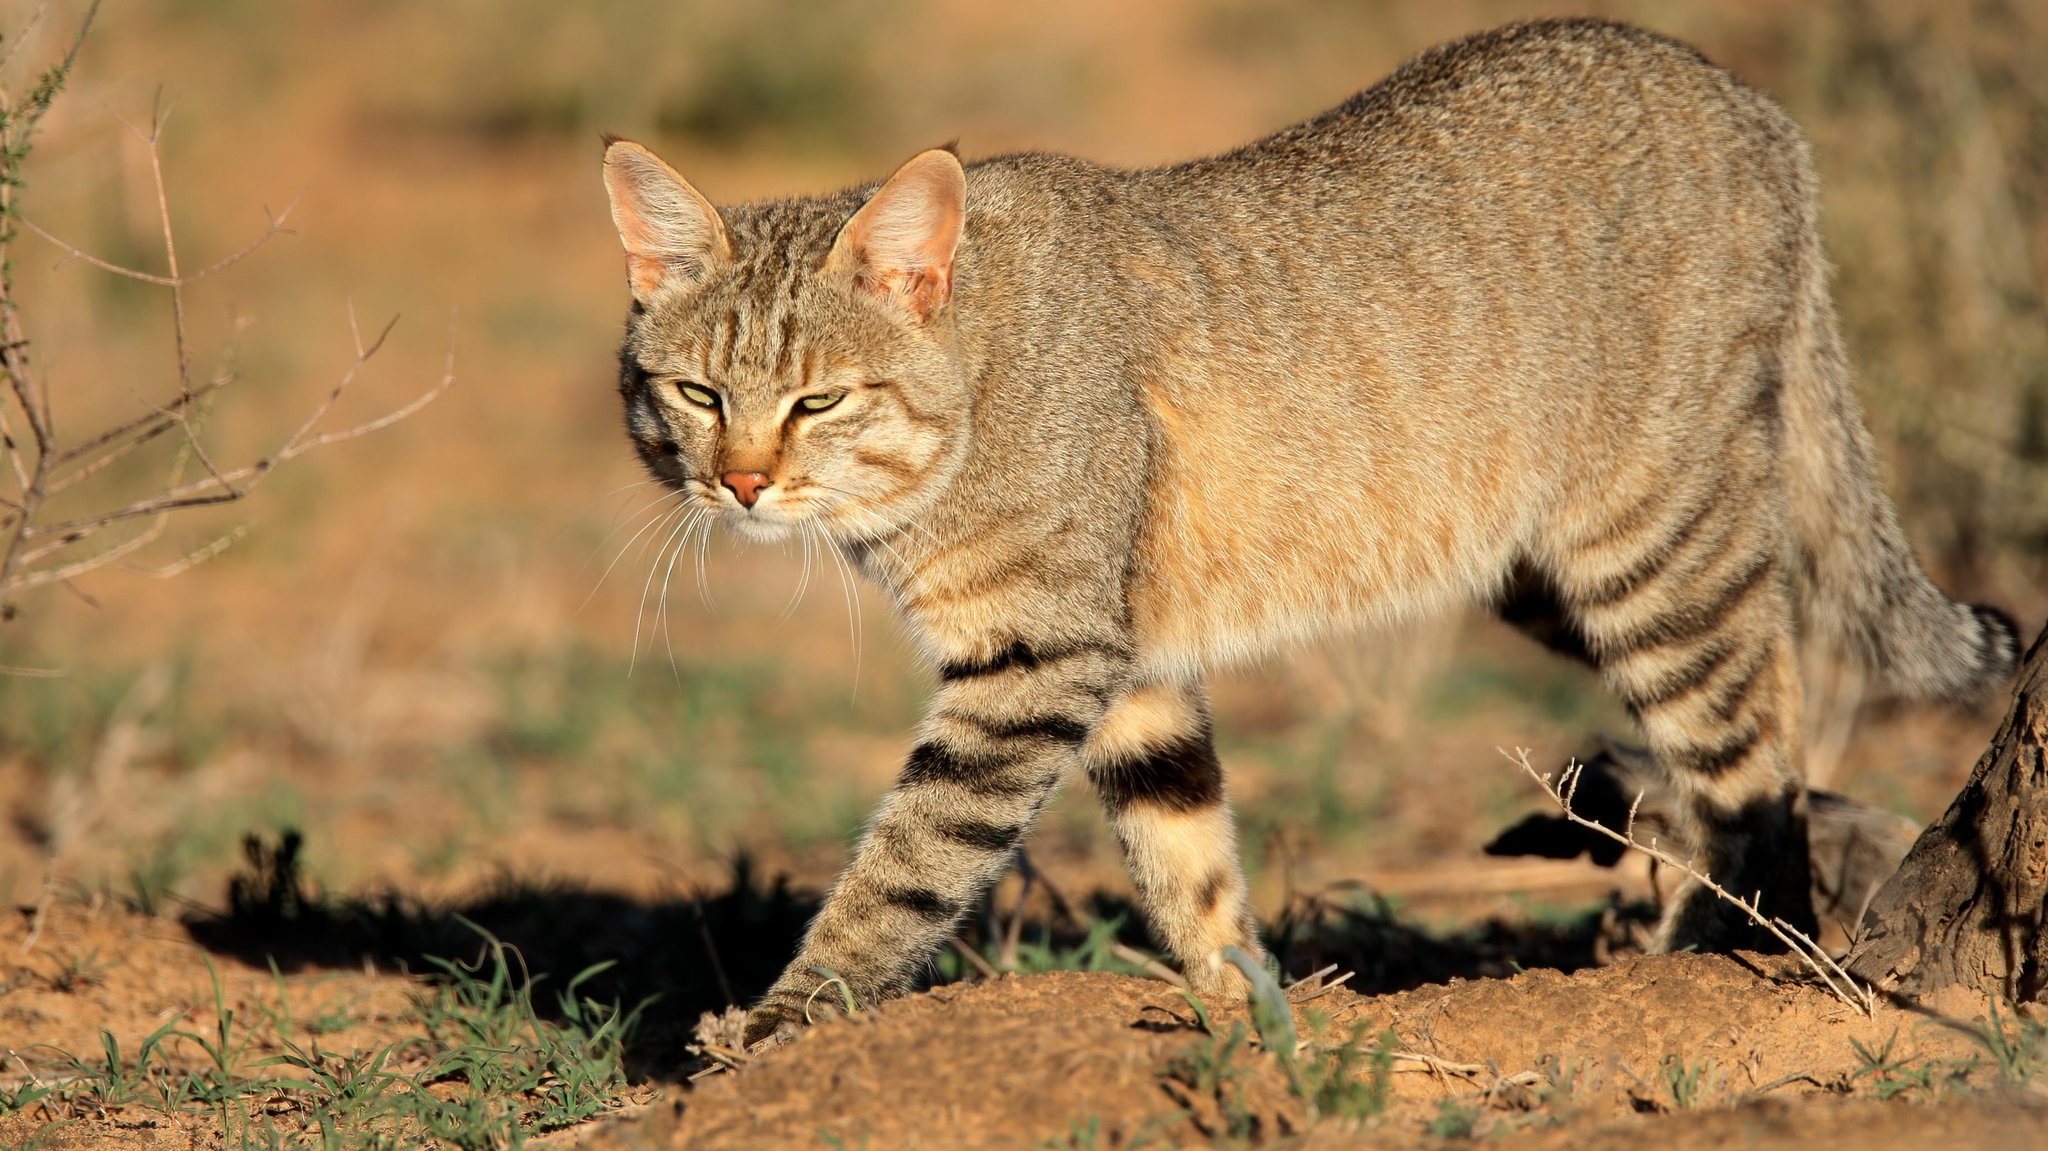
pixel 1969 906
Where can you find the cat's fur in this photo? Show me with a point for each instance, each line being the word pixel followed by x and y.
pixel 1548 306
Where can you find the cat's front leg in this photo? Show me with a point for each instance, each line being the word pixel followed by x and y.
pixel 1001 732
pixel 1153 763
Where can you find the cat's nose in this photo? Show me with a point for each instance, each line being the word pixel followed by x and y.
pixel 747 485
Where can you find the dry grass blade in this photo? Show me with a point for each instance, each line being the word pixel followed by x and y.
pixel 1831 973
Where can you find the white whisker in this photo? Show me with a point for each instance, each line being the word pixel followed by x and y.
pixel 873 521
pixel 847 585
pixel 703 578
pixel 696 514
pixel 661 608
pixel 628 545
pixel 803 581
pixel 595 500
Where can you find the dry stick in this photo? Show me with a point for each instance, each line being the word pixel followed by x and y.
pixel 31 393
pixel 986 969
pixel 72 252
pixel 1313 986
pixel 1561 792
pixel 21 34
pixel 197 493
pixel 1435 1065
pixel 1148 965
pixel 12 340
pixel 711 951
pixel 159 422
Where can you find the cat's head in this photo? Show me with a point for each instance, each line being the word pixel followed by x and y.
pixel 793 362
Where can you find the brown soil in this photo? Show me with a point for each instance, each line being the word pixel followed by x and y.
pixel 1023 1060
pixel 1541 1060
pixel 1033 1059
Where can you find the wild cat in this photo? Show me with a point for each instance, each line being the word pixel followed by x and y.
pixel 1545 310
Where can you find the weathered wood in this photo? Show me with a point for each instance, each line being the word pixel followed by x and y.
pixel 1967 907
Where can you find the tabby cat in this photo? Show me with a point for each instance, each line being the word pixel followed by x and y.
pixel 1546 310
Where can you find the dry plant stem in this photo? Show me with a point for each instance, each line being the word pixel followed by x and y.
pixel 1148 965
pixel 24 386
pixel 219 487
pixel 1435 1065
pixel 21 34
pixel 982 966
pixel 1561 790
pixel 33 553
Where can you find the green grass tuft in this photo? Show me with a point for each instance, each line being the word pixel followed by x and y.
pixel 485 1071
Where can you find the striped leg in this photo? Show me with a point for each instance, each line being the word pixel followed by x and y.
pixel 1154 766
pixel 1687 609
pixel 1000 734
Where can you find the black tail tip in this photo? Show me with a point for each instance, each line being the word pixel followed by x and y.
pixel 2001 639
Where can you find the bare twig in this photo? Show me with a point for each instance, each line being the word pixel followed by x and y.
pixel 1561 791
pixel 1317 984
pixel 193 558
pixel 34 552
pixel 220 487
pixel 72 252
pixel 21 34
pixel 144 426
pixel 982 966
pixel 1148 965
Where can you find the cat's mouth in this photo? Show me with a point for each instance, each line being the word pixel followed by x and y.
pixel 778 512
pixel 759 525
pixel 773 515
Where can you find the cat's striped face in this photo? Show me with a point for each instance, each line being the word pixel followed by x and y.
pixel 789 364
pixel 775 414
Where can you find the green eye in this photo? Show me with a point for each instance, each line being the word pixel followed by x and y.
pixel 820 403
pixel 699 396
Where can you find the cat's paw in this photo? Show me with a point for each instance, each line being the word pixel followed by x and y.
pixel 769 1026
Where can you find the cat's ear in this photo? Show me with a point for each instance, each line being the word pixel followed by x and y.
pixel 900 245
pixel 671 233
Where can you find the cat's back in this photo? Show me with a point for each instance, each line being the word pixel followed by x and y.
pixel 1560 148
pixel 1542 93
pixel 1550 231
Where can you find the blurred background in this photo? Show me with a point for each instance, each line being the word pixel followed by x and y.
pixel 415 653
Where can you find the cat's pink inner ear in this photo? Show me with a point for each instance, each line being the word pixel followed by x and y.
pixel 669 231
pixel 900 244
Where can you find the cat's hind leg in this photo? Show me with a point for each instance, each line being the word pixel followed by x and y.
pixel 1685 602
pixel 1153 763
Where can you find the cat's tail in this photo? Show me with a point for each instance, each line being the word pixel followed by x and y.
pixel 1859 584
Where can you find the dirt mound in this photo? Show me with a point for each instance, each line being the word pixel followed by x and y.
pixel 1816 1125
pixel 973 1066
pixel 1685 1051
pixel 1087 1060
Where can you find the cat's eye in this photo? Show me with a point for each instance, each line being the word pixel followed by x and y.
pixel 820 403
pixel 702 397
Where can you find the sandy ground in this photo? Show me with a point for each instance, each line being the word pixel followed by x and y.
pixel 1542 1059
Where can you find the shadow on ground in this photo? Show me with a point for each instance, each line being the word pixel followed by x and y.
pixel 701 951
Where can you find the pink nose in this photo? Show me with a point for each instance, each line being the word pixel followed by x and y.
pixel 747 485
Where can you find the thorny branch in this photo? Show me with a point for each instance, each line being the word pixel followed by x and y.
pixel 1562 790
pixel 34 552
